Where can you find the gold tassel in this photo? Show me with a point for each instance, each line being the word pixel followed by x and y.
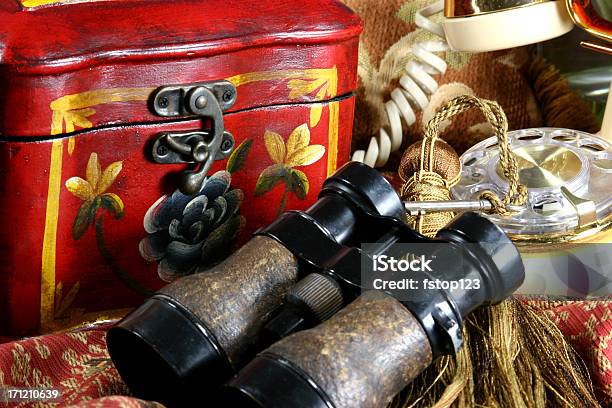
pixel 561 106
pixel 512 356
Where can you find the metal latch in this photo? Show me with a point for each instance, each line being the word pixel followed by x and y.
pixel 200 147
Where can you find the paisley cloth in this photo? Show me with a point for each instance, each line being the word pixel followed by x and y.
pixel 78 363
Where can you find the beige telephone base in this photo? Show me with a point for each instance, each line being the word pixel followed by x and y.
pixel 508 29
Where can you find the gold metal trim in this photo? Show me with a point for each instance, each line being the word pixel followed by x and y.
pixel 596 47
pixel 545 165
pixel 531 243
pixel 582 24
pixel 472 8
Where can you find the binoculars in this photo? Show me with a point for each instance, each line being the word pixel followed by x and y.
pixel 290 321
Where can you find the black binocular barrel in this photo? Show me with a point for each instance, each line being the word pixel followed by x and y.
pixel 370 350
pixel 496 262
pixel 365 353
pixel 193 334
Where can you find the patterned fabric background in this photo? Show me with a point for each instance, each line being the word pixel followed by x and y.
pixel 587 326
pixel 78 363
pixel 385 49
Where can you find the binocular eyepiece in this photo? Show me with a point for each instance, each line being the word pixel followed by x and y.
pixel 290 321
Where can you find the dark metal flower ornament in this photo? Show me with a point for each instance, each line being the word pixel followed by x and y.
pixel 193 232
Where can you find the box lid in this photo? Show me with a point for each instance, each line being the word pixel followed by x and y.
pixel 51 36
pixel 53 49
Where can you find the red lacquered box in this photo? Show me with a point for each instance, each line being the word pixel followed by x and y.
pixel 104 104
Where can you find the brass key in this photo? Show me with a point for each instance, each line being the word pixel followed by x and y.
pixel 416 208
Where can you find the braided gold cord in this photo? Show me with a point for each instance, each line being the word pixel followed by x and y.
pixel 517 193
pixel 428 185
pixel 513 356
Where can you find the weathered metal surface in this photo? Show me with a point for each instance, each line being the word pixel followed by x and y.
pixel 236 298
pixel 363 355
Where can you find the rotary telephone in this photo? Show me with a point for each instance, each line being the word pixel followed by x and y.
pixel 480 26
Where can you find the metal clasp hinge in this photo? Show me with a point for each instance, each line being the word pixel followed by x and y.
pixel 201 147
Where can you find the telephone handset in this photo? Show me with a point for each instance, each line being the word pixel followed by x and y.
pixel 480 26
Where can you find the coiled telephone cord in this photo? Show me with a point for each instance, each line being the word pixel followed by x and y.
pixel 416 87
